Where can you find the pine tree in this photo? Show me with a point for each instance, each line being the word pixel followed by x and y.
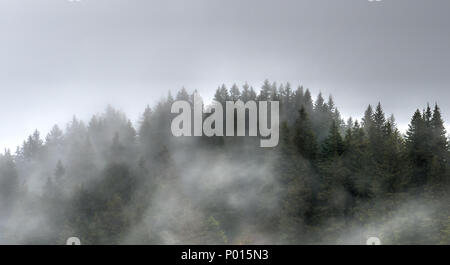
pixel 298 98
pixel 319 105
pixel 377 135
pixel 439 133
pixel 367 120
pixel 183 95
pixel 145 125
pixel 265 92
pixel 32 148
pixel 307 102
pixel 357 160
pixel 392 158
pixel 54 137
pixel 235 94
pixel 222 95
pixel 333 145
pixel 416 147
pixel 439 149
pixel 304 138
pixel 274 96
pixel 245 95
pixel 252 94
pixel 294 173
pixel 322 118
pixel 379 119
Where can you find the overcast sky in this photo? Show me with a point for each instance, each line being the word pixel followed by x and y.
pixel 60 58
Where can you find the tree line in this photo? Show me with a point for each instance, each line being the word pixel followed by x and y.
pixel 329 181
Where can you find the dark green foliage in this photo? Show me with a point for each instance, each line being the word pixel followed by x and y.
pixel 304 139
pixel 109 183
pixel 333 145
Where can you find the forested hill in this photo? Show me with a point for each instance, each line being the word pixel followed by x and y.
pixel 327 182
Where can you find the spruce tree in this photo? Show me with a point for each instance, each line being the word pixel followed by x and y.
pixel 235 94
pixel 334 145
pixel 304 138
pixel 440 150
pixel 265 92
pixel 367 120
pixel 416 147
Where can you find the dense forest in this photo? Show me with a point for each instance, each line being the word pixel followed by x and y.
pixel 329 181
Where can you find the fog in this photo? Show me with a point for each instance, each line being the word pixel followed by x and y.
pixel 87 88
pixel 62 58
pixel 107 181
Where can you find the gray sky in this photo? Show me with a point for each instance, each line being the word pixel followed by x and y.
pixel 60 58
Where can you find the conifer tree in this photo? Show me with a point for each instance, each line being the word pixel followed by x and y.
pixel 334 145
pixel 440 150
pixel 307 102
pixel 235 94
pixel 245 95
pixel 183 95
pixel 416 147
pixel 367 120
pixel 304 138
pixel 266 91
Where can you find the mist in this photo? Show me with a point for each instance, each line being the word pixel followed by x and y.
pixel 61 58
pixel 329 181
pixel 87 88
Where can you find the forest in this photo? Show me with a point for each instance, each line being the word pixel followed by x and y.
pixel 328 181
